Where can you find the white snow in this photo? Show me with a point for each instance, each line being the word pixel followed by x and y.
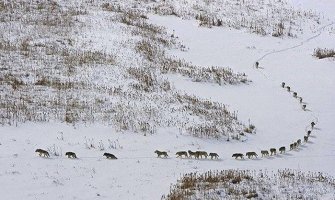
pixel 138 174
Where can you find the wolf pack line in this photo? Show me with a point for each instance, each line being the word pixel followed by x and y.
pixel 212 155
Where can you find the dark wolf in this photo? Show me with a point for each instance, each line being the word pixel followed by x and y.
pixel 110 156
pixel 238 155
pixel 71 154
pixel 42 152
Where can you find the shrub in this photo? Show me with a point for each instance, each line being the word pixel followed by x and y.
pixel 324 53
pixel 246 184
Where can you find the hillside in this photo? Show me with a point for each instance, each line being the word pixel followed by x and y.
pixel 133 77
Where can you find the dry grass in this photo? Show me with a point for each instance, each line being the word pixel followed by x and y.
pixel 275 18
pixel 49 73
pixel 246 184
pixel 324 53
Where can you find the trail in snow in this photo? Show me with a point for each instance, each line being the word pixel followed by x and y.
pixel 321 29
pixel 288 123
pixel 259 69
pixel 182 159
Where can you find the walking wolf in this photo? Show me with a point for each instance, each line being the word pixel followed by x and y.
pixel 42 152
pixel 181 154
pixel 309 133
pixel 299 142
pixel 282 149
pixel 199 154
pixel 110 156
pixel 71 154
pixel 305 138
pixel 291 146
pixel 265 153
pixel 191 153
pixel 238 155
pixel 273 151
pixel 214 155
pixel 288 88
pixel 161 153
pixel 251 154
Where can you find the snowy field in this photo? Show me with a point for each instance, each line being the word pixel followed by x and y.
pixel 138 173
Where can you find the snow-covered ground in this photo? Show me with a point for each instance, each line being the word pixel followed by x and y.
pixel 323 6
pixel 138 174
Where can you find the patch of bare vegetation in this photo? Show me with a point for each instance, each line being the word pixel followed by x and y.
pixel 324 53
pixel 40 80
pixel 245 184
pixel 215 120
pixel 60 68
pixel 153 52
pixel 276 18
pixel 218 75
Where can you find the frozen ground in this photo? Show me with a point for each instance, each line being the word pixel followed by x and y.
pixel 138 174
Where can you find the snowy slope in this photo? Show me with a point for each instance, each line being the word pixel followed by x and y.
pixel 283 118
pixel 326 7
pixel 138 174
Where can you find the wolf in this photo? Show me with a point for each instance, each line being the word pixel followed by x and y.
pixel 265 153
pixel 309 133
pixel 257 64
pixel 305 138
pixel 181 154
pixel 42 152
pixel 71 154
pixel 291 146
pixel 295 145
pixel 237 155
pixel 110 156
pixel 299 142
pixel 273 151
pixel 191 153
pixel 199 154
pixel 251 154
pixel 161 153
pixel 282 149
pixel 214 155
